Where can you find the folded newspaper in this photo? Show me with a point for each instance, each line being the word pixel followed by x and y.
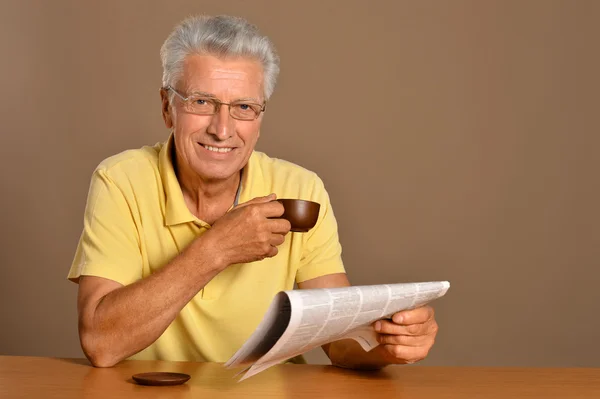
pixel 300 320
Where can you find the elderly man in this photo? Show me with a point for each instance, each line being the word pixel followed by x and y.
pixel 183 247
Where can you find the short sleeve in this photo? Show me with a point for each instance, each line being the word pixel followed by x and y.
pixel 109 245
pixel 322 251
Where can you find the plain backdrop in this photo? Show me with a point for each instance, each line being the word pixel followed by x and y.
pixel 458 141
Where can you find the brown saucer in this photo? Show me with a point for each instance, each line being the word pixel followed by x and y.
pixel 160 378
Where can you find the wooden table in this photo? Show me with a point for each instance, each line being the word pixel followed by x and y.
pixel 31 377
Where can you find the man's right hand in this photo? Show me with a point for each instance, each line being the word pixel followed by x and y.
pixel 249 232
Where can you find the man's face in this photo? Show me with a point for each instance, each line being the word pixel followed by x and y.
pixel 197 136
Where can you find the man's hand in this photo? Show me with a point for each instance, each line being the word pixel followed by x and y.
pixel 249 232
pixel 408 337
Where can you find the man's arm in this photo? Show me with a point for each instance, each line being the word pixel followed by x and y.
pixel 117 321
pixel 407 338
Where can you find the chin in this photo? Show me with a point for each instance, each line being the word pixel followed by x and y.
pixel 216 173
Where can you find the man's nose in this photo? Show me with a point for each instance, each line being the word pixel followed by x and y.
pixel 221 124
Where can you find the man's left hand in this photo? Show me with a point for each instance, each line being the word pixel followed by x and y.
pixel 408 336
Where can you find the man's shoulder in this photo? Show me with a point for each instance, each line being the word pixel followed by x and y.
pixel 133 162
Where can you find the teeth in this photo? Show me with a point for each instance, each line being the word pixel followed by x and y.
pixel 216 149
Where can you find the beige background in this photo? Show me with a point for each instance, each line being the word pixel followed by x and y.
pixel 458 140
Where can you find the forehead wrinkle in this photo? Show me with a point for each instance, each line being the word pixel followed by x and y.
pixel 228 74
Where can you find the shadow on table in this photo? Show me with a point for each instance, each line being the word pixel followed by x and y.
pixel 81 362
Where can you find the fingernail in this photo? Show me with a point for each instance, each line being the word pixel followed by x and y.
pixel 399 319
pixel 378 326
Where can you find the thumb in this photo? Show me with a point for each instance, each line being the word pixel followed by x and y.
pixel 259 200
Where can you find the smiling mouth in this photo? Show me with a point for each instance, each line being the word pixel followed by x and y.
pixel 216 149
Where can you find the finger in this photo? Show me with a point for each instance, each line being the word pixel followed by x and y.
pixel 277 239
pixel 407 354
pixel 258 200
pixel 414 316
pixel 272 209
pixel 280 226
pixel 389 327
pixel 406 340
pixel 274 251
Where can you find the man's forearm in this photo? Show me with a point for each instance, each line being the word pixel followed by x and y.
pixel 130 318
pixel 348 353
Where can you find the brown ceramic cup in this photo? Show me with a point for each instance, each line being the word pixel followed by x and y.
pixel 301 214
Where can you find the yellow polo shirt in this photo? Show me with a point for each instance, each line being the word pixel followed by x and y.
pixel 136 221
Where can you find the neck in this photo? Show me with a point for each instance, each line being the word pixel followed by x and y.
pixel 208 200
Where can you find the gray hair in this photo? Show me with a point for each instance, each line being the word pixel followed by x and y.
pixel 221 36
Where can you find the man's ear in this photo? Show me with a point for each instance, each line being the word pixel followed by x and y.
pixel 166 108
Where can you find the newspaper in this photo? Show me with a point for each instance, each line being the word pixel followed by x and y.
pixel 300 320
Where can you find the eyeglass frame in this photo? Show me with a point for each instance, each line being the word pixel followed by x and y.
pixel 218 103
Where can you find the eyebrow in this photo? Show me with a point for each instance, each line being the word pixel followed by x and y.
pixel 201 93
pixel 248 99
pixel 209 95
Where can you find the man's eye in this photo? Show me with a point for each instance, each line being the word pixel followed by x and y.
pixel 200 101
pixel 241 107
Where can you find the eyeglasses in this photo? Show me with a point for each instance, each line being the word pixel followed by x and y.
pixel 203 105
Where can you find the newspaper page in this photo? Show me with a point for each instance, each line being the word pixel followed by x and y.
pixel 300 320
